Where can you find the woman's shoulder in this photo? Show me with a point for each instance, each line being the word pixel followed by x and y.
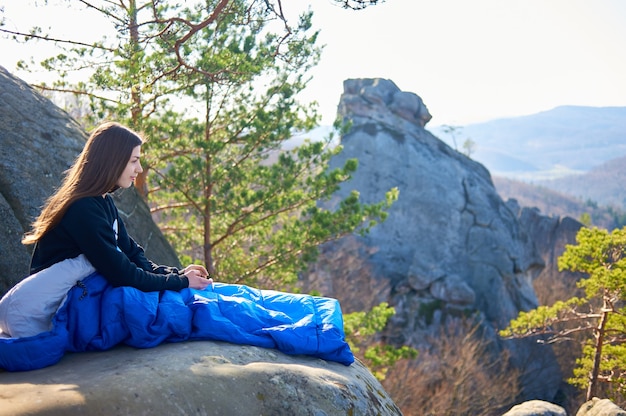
pixel 89 205
pixel 88 202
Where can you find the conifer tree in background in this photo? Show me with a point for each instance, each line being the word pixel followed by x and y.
pixel 601 313
pixel 218 179
pixel 240 202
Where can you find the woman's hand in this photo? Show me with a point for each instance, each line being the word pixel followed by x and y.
pixel 201 270
pixel 198 276
pixel 196 282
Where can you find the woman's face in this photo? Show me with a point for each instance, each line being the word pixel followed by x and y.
pixel 133 168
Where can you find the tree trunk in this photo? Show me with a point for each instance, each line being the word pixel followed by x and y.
pixel 135 94
pixel 595 370
pixel 208 194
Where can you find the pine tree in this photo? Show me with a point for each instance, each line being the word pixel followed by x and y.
pixel 600 313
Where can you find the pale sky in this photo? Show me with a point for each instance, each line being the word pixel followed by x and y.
pixel 469 60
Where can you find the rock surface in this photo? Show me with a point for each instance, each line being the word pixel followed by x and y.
pixel 551 235
pixel 600 407
pixel 194 378
pixel 38 142
pixel 450 246
pixel 536 408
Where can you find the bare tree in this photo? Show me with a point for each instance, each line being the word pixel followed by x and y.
pixel 357 4
pixel 458 374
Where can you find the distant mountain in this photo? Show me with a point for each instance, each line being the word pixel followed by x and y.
pixel 603 185
pixel 555 143
pixel 553 203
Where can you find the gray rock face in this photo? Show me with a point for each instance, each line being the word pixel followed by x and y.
pixel 551 235
pixel 450 244
pixel 194 378
pixel 369 96
pixel 449 225
pixel 536 408
pixel 38 142
pixel 600 407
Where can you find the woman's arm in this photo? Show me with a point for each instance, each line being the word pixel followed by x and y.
pixel 91 227
pixel 195 273
pixel 136 253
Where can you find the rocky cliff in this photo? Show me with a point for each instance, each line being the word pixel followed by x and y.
pixel 38 142
pixel 450 246
pixel 550 234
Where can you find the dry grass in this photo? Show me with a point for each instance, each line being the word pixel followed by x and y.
pixel 459 374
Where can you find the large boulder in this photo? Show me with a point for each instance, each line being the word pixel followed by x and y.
pixel 38 142
pixel 450 245
pixel 194 378
pixel 536 408
pixel 600 407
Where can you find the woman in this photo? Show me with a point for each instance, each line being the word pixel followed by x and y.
pixel 81 218
pixel 79 231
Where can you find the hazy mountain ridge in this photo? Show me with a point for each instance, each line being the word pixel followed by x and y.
pixel 603 184
pixel 567 161
pixel 546 145
pixel 557 204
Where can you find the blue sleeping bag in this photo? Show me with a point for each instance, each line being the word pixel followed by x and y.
pixel 97 316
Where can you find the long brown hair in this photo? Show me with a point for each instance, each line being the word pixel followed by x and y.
pixel 95 172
